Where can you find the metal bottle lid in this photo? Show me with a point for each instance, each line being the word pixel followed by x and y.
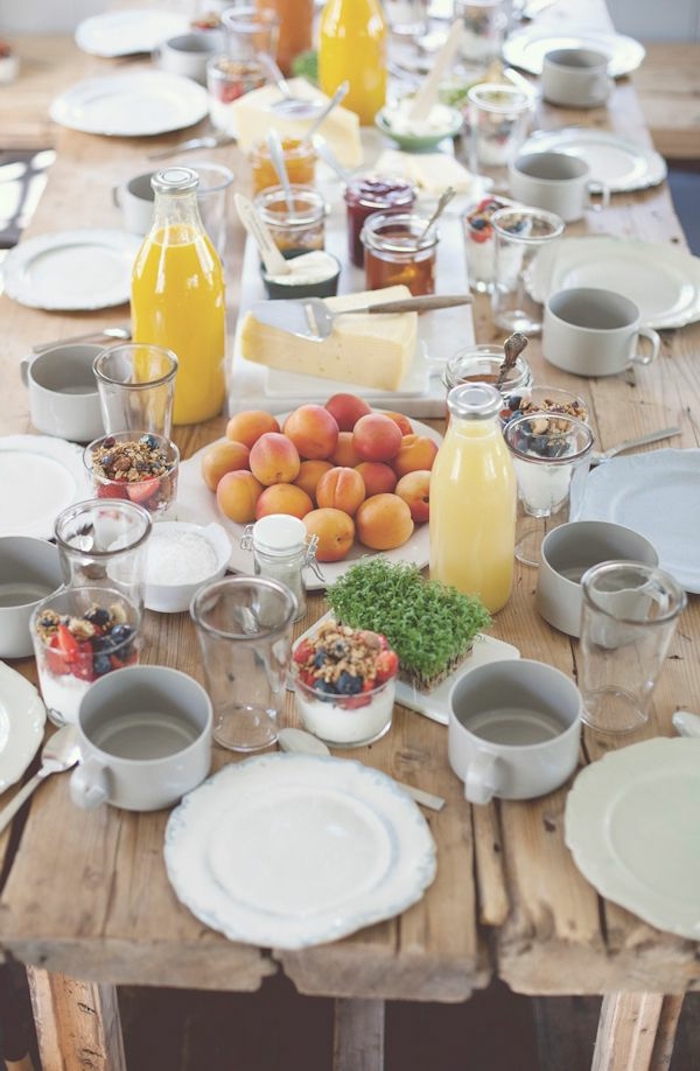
pixel 171 179
pixel 475 401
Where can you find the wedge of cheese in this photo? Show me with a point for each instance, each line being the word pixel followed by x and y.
pixel 430 171
pixel 364 349
pixel 253 114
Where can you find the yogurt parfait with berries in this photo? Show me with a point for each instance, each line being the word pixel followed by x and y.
pixel 344 684
pixel 80 634
pixel 480 243
pixel 141 468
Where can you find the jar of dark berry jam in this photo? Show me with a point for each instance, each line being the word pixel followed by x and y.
pixel 373 193
pixel 400 251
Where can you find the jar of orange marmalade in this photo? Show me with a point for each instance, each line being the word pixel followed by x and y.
pixel 299 158
pixel 398 249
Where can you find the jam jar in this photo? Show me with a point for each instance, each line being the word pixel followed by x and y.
pixel 373 193
pixel 294 230
pixel 399 250
pixel 299 158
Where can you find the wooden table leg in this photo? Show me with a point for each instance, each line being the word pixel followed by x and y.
pixel 636 1032
pixel 358 1035
pixel 77 1023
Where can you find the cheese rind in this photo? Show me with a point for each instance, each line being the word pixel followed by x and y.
pixel 364 349
pixel 253 114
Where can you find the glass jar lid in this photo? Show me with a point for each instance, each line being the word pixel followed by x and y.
pixel 474 401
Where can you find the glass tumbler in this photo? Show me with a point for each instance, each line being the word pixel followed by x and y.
pixel 136 384
pixel 102 543
pixel 215 181
pixel 485 25
pixel 244 628
pixel 628 618
pixel 526 240
pixel 498 119
pixel 250 30
pixel 551 457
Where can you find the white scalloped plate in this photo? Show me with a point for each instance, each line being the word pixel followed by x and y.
pixel 69 270
pixel 290 851
pixel 131 105
pixel 22 720
pixel 621 164
pixel 39 476
pixel 126 33
pixel 631 823
pixel 527 48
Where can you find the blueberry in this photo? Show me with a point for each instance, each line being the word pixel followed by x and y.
pixel 319 659
pixel 101 665
pixel 479 224
pixel 348 684
pixel 97 616
pixel 120 633
pixel 340 649
pixel 514 404
pixel 149 440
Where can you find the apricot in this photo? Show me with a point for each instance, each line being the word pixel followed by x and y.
pixel 283 498
pixel 310 472
pixel 383 522
pixel 416 452
pixel 334 530
pixel 237 494
pixel 274 459
pixel 248 425
pixel 345 452
pixel 376 437
pixel 347 409
pixel 223 457
pixel 414 489
pixel 378 477
pixel 313 430
pixel 341 488
pixel 404 423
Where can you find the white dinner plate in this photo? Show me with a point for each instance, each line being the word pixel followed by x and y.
pixel 22 720
pixel 662 280
pixel 196 503
pixel 527 48
pixel 658 495
pixel 39 476
pixel 125 33
pixel 289 851
pixel 631 823
pixel 70 270
pixel 621 164
pixel 131 105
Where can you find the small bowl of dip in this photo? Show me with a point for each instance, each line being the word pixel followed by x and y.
pixel 418 135
pixel 313 274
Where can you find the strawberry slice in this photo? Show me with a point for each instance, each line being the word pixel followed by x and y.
pixel 67 643
pixel 111 490
pixel 387 665
pixel 143 491
pixel 56 661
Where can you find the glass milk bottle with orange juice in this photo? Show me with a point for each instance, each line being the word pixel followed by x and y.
pixel 473 499
pixel 177 296
pixel 352 47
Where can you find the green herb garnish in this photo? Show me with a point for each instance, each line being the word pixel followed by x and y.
pixel 430 626
pixel 305 65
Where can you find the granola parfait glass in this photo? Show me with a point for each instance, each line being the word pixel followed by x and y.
pixel 141 468
pixel 551 456
pixel 485 25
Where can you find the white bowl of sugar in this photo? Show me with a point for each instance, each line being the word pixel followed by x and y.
pixel 180 557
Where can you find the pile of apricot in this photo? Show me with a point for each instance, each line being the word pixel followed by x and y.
pixel 348 471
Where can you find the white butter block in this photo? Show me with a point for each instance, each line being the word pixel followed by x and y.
pixel 252 115
pixel 364 349
pixel 430 172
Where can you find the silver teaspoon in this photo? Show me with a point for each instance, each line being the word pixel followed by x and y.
pixel 60 752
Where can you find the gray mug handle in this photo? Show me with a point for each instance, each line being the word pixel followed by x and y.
pixel 597 189
pixel 89 784
pixel 24 369
pixel 482 779
pixel 654 341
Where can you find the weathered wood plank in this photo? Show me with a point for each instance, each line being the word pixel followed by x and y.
pixel 358 1041
pixel 77 1024
pixel 636 1032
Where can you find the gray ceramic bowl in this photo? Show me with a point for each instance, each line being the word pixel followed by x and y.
pixel 567 552
pixel 30 570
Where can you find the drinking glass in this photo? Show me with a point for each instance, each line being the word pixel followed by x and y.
pixel 244 628
pixel 102 543
pixel 215 181
pixel 526 240
pixel 251 30
pixel 485 25
pixel 498 119
pixel 407 18
pixel 551 458
pixel 629 615
pixel 136 383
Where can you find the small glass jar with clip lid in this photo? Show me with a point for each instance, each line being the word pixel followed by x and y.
pixel 282 550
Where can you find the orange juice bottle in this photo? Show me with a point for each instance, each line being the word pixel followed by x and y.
pixel 296 28
pixel 473 499
pixel 177 296
pixel 352 46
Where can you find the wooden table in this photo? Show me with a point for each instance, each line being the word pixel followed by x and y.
pixel 86 903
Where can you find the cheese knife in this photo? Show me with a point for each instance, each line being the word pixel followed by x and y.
pixel 313 318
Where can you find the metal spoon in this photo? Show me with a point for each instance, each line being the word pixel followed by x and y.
pixel 340 94
pixel 445 198
pixel 122 331
pixel 60 752
pixel 277 156
pixel 300 742
pixel 207 141
pixel 325 152
pixel 294 107
pixel 652 437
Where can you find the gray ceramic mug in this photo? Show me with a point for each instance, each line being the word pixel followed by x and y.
pixel 63 396
pixel 593 332
pixel 576 77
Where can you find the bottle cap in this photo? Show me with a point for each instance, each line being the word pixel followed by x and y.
pixel 279 534
pixel 477 401
pixel 175 178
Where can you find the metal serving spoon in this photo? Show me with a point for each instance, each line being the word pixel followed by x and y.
pixel 277 156
pixel 122 331
pixel 300 742
pixel 339 95
pixel 597 456
pixel 59 753
pixel 294 107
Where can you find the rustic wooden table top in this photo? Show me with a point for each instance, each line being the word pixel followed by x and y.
pixel 86 893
